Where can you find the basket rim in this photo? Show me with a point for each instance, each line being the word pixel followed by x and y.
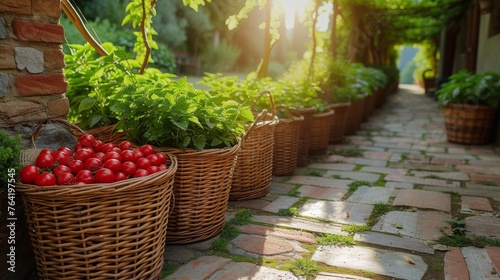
pixel 194 152
pixel 324 114
pixel 340 104
pixel 468 106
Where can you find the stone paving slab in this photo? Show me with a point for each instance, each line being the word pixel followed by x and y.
pixel 384 170
pixel 486 226
pixel 379 261
pixel 280 188
pixel 421 166
pixel 262 245
pixel 178 253
pixel 486 178
pixel 282 202
pixel 455 267
pixel 479 263
pixel 454 176
pixel 322 193
pixel 478 169
pixel 301 224
pixel 398 185
pixel 483 192
pixel 250 271
pixel 257 204
pixel 336 211
pixel 300 236
pixel 425 225
pixel 494 253
pixel 320 182
pixel 423 199
pixel 393 241
pixel 422 181
pixel 354 160
pixel 471 204
pixel 370 195
pixel 333 166
pixel 201 268
pixel 357 176
pixel 335 276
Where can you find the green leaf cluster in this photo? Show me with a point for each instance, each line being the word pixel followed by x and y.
pixel 474 89
pixel 10 150
pixel 157 110
pixel 93 82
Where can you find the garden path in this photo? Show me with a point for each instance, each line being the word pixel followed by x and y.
pixel 398 165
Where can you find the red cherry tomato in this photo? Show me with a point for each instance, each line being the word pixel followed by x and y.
pixel 162 167
pixel 120 176
pixel 153 158
pixel 100 156
pixel 153 169
pixel 113 164
pixel 93 164
pixel 125 145
pixel 107 147
pixel 87 140
pixel 162 158
pixel 114 155
pixel 83 154
pixel 62 157
pixel 143 163
pixel 45 160
pixel 65 150
pixel 138 154
pixel 129 168
pixel 147 150
pixel 65 178
pixel 104 175
pixel 85 176
pixel 29 174
pixel 61 169
pixel 127 155
pixel 141 173
pixel 97 146
pixel 76 165
pixel 46 151
pixel 45 179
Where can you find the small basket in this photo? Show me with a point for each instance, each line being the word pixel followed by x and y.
pixel 100 231
pixel 286 143
pixel 254 164
pixel 320 132
pixel 469 124
pixel 337 129
pixel 305 134
pixel 201 190
pixel 369 106
pixel 354 116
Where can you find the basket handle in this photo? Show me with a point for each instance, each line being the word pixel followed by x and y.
pixel 291 112
pixel 271 101
pixel 60 121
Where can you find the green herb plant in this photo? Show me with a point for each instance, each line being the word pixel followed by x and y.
pixel 9 156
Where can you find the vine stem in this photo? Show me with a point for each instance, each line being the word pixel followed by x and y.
pixel 145 37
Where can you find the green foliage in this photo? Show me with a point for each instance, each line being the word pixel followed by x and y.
pixel 455 241
pixel 335 239
pixel 93 82
pixel 242 217
pixel 10 150
pixel 304 267
pixel 288 212
pixel 154 109
pixel 221 58
pixel 353 186
pixel 379 209
pixel 473 89
pixel 354 228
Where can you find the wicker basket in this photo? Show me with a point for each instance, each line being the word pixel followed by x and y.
pixel 354 116
pixel 469 124
pixel 254 164
pixel 286 143
pixel 369 106
pixel 201 190
pixel 100 231
pixel 305 134
pixel 320 132
pixel 380 97
pixel 337 129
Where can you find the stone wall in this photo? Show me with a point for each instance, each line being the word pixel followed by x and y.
pixel 32 83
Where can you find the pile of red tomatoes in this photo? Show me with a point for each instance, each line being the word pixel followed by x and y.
pixel 93 162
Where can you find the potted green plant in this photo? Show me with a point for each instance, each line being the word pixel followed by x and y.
pixel 469 103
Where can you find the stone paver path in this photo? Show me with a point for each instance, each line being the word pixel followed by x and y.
pixel 403 197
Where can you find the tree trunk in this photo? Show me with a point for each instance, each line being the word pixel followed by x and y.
pixel 333 33
pixel 262 71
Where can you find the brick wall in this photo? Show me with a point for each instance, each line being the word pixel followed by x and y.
pixel 32 83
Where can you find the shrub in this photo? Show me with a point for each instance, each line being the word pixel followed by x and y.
pixel 221 58
pixel 10 149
